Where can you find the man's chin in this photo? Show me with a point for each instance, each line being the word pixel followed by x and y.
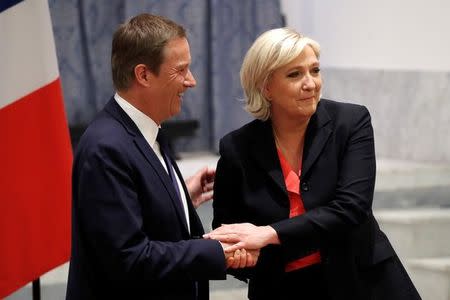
pixel 175 112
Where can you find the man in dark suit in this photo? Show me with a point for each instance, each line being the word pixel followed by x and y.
pixel 135 232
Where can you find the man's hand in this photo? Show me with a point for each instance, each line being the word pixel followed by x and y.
pixel 200 186
pixel 244 236
pixel 240 258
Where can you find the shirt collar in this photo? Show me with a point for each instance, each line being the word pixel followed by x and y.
pixel 144 123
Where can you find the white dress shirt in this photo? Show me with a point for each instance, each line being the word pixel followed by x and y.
pixel 149 130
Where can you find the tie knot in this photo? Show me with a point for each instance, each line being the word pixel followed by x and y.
pixel 161 138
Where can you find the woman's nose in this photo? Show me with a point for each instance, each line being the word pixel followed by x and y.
pixel 308 83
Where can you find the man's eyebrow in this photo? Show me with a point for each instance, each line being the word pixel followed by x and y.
pixel 183 64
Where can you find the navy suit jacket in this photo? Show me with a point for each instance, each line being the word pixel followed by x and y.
pixel 129 234
pixel 337 185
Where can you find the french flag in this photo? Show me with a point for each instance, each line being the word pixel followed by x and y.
pixel 35 149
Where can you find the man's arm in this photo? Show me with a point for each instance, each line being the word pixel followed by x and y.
pixel 110 223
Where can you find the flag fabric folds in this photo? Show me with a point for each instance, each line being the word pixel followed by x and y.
pixel 35 149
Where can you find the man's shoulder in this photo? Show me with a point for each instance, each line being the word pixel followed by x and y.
pixel 104 132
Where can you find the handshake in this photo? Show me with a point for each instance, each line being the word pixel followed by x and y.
pixel 242 242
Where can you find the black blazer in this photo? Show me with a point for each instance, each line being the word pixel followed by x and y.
pixel 337 184
pixel 129 235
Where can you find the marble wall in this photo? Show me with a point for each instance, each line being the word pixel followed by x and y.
pixel 410 109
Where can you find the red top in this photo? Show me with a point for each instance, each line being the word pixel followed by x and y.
pixel 292 181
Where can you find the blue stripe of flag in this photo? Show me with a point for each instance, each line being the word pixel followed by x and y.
pixel 5 4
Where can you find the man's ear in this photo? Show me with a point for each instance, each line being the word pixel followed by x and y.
pixel 143 75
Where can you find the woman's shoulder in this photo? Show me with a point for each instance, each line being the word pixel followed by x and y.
pixel 345 116
pixel 246 135
pixel 337 107
pixel 342 112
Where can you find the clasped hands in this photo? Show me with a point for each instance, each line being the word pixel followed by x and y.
pixel 242 242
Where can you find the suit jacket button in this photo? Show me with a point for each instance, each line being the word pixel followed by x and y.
pixel 305 186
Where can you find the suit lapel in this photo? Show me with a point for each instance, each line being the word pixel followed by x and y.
pixel 317 134
pixel 154 161
pixel 116 111
pixel 265 153
pixel 196 224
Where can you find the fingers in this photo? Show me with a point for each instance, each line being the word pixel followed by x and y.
pixel 250 260
pixel 207 186
pixel 230 261
pixel 226 238
pixel 207 197
pixel 238 259
pixel 222 230
pixel 253 256
pixel 234 247
pixel 210 174
pixel 206 174
pixel 242 258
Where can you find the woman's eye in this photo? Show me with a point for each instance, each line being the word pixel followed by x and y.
pixel 294 74
pixel 316 70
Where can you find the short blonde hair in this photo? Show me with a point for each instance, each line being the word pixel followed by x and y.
pixel 270 51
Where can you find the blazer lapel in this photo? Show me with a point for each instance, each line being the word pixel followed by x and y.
pixel 116 111
pixel 265 153
pixel 195 222
pixel 317 134
pixel 264 148
pixel 163 176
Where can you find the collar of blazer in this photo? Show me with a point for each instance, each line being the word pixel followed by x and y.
pixel 264 148
pixel 117 113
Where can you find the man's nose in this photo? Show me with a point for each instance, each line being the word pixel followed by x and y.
pixel 189 81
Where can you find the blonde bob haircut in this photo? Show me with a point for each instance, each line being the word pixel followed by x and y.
pixel 271 50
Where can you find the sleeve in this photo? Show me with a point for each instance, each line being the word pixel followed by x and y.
pixel 227 186
pixel 228 196
pixel 351 203
pixel 110 222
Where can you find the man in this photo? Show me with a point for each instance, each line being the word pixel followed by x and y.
pixel 135 232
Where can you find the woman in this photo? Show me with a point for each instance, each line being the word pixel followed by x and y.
pixel 299 182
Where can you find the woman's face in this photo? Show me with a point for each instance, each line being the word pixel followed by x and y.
pixel 294 89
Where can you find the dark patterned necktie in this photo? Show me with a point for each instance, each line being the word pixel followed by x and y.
pixel 163 147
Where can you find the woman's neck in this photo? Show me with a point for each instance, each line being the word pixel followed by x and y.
pixel 290 138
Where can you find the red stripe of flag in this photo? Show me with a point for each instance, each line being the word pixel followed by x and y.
pixel 35 188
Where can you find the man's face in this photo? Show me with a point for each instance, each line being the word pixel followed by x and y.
pixel 173 80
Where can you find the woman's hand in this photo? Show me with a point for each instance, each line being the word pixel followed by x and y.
pixel 244 236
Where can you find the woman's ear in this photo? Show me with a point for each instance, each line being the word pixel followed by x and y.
pixel 266 91
pixel 142 75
